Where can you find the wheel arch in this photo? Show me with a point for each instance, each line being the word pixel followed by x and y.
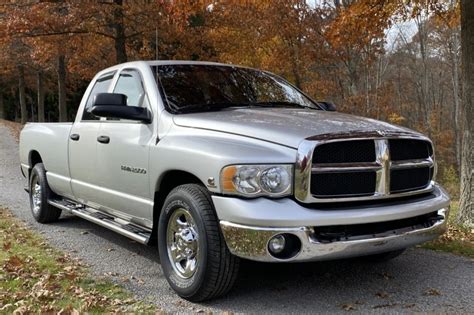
pixel 167 182
pixel 34 157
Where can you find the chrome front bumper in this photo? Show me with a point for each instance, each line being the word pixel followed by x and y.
pixel 250 241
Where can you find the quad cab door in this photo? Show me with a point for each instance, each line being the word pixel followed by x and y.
pixel 122 156
pixel 83 147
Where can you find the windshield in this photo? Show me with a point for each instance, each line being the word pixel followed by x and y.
pixel 194 88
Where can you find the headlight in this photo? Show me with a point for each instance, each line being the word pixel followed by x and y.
pixel 257 180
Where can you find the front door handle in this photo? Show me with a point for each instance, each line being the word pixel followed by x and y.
pixel 74 137
pixel 103 139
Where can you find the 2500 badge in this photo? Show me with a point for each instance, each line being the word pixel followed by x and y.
pixel 131 169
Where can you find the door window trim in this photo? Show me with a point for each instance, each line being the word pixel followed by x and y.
pixel 112 89
pixel 103 77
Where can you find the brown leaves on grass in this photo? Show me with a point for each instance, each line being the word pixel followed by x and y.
pixel 458 233
pixel 35 278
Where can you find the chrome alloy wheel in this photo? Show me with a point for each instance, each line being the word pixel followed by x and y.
pixel 182 243
pixel 36 195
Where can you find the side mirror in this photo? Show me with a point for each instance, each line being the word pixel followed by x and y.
pixel 112 105
pixel 328 106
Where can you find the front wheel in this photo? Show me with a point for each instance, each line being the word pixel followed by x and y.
pixel 193 254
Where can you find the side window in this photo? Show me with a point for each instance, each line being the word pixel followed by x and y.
pixel 101 86
pixel 130 84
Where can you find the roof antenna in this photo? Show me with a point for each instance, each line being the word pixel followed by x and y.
pixel 156 42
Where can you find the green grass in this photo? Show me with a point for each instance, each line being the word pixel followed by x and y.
pixel 454 246
pixel 457 240
pixel 34 277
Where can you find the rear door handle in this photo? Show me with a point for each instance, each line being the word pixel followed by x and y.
pixel 103 139
pixel 74 137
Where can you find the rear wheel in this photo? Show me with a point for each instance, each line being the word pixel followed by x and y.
pixel 39 195
pixel 193 254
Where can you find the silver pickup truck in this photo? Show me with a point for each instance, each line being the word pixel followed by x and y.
pixel 213 163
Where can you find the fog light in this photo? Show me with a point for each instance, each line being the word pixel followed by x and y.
pixel 277 244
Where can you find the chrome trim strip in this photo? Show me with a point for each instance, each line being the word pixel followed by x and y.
pixel 412 163
pixel 345 167
pixel 382 166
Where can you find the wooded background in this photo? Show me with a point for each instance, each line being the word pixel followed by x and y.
pixel 335 50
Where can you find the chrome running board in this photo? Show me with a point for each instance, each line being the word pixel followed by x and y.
pixel 106 220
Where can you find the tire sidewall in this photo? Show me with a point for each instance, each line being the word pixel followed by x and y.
pixel 184 287
pixel 39 173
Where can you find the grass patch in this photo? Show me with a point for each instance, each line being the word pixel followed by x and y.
pixel 35 277
pixel 457 240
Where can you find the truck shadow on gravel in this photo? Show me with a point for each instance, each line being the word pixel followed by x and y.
pixel 108 239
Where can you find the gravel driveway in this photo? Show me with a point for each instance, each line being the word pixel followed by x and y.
pixel 418 281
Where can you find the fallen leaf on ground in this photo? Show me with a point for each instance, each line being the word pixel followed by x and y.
pixel 7 246
pixel 384 305
pixel 434 292
pixel 382 295
pixel 348 307
pixel 13 263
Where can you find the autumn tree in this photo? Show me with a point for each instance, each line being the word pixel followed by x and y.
pixel 466 214
pixel 333 50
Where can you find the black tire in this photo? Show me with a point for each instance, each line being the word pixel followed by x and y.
pixel 217 268
pixel 382 257
pixel 42 212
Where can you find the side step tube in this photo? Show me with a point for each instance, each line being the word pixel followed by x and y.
pixel 129 230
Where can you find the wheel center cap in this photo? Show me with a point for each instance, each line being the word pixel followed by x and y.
pixel 187 235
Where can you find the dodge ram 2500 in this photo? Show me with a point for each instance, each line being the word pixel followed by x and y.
pixel 214 163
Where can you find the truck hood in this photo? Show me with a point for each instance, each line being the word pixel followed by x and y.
pixel 286 126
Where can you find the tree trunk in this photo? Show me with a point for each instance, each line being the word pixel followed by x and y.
pixel 425 102
pixel 457 101
pixel 466 205
pixel 455 65
pixel 40 86
pixel 120 39
pixel 62 88
pixel 21 91
pixel 2 107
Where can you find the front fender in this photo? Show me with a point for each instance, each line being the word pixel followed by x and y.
pixel 204 153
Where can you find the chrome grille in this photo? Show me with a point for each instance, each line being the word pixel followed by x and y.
pixel 392 167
